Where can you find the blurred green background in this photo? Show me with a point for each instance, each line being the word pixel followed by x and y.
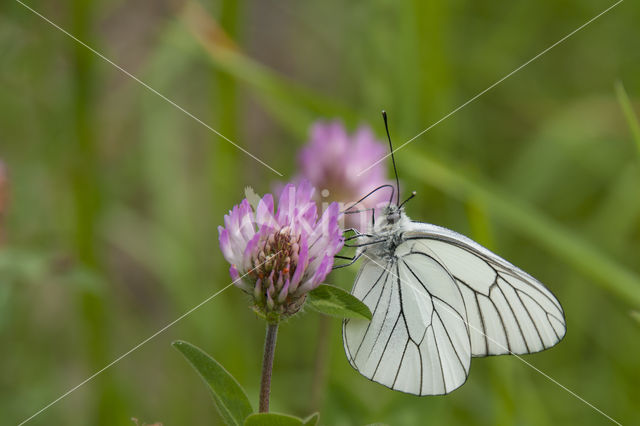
pixel 115 195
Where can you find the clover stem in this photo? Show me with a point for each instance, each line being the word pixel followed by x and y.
pixel 267 366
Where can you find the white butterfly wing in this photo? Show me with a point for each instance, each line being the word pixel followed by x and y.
pixel 417 341
pixel 508 311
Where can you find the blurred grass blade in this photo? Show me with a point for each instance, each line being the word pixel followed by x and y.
pixel 295 104
pixel 479 222
pixel 273 419
pixel 232 402
pixel 629 114
pixel 336 302
pixel 560 241
pixel 576 137
pixel 618 213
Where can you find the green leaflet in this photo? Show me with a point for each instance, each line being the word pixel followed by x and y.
pixel 230 399
pixel 336 302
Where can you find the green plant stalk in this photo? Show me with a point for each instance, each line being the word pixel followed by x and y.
pixel 319 381
pixel 577 252
pixel 224 99
pixel 267 366
pixel 106 406
pixel 502 377
pixel 629 114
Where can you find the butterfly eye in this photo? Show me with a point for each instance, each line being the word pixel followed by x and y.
pixel 393 216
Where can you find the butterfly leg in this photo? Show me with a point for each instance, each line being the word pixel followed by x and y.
pixel 368 243
pixel 354 230
pixel 353 237
pixel 373 215
pixel 352 260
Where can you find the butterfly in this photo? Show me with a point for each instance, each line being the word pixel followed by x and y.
pixel 438 299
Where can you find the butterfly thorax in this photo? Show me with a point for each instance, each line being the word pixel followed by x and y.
pixel 387 232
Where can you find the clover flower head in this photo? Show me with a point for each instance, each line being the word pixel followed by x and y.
pixel 333 161
pixel 277 257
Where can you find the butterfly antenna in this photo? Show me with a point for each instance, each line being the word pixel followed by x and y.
pixel 393 159
pixel 413 194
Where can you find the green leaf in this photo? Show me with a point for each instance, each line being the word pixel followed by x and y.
pixel 336 302
pixel 312 420
pixel 273 419
pixel 230 399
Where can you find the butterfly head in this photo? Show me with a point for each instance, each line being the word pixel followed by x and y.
pixel 392 214
pixel 391 218
pixel 387 231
